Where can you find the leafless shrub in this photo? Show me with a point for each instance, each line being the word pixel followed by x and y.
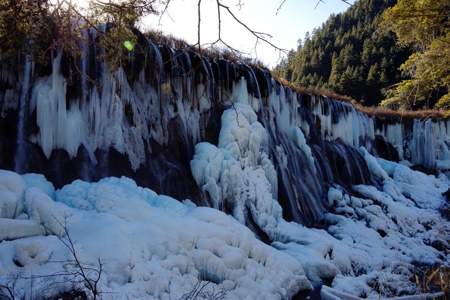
pixel 201 291
pixel 8 290
pixel 82 273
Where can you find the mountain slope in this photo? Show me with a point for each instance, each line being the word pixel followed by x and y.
pixel 349 54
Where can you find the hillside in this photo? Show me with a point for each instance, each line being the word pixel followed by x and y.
pixel 349 54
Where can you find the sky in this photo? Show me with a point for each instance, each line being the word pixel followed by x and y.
pixel 294 19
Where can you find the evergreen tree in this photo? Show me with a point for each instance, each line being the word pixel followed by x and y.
pixel 425 25
pixel 350 54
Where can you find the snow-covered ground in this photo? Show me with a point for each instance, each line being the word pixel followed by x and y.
pixel 151 246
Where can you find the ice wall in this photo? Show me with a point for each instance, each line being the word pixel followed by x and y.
pixel 424 142
pixel 144 119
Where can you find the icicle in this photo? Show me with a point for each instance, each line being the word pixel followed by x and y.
pixel 59 127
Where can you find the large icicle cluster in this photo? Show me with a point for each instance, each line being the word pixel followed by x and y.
pixel 340 120
pixel 126 116
pixel 237 175
pixel 427 144
pixel 118 115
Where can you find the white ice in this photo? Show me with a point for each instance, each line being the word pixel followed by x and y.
pixel 152 246
pixel 375 236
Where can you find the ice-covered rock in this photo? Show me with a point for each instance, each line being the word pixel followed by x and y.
pixel 11 229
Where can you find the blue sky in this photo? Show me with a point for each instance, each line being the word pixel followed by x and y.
pixel 291 23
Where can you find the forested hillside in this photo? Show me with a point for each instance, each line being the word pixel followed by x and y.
pixel 349 54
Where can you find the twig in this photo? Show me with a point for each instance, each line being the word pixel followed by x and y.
pixel 279 7
pixel 259 35
pixel 199 11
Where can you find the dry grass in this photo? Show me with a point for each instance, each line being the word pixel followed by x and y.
pixel 314 91
pixel 434 279
pixel 375 111
pixel 385 113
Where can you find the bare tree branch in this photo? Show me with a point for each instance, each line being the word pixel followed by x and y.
pixel 322 1
pixel 280 6
pixel 81 269
pixel 199 11
pixel 259 35
pixel 164 11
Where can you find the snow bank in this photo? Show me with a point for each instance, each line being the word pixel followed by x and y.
pixel 151 246
pixel 384 231
pixel 375 235
pixel 11 229
pixel 12 188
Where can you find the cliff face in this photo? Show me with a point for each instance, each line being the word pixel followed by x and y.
pixel 77 119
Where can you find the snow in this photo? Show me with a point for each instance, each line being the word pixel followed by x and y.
pixel 12 188
pixel 373 165
pixel 374 239
pixel 11 229
pixel 392 228
pixel 152 246
pixel 39 181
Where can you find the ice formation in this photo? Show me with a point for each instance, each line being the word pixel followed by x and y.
pixel 151 246
pixel 376 233
pixel 237 175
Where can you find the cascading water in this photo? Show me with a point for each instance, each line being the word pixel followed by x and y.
pixel 84 76
pixel 20 157
pixel 144 120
